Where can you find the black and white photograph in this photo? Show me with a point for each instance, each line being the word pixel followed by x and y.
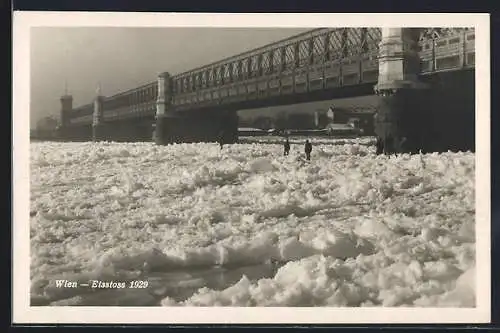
pixel 183 166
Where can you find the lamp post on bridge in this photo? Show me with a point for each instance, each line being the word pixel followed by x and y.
pixel 401 112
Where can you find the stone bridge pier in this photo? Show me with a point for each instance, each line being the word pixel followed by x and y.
pixel 190 126
pixel 402 113
pixel 127 130
pixel 66 108
pixel 67 130
pixel 432 113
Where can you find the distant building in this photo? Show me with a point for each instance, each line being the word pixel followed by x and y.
pixel 46 128
pixel 323 120
pixel 47 124
pixel 262 122
pixel 356 117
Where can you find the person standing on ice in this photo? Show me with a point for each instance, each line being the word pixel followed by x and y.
pixel 286 147
pixel 379 145
pixel 307 150
pixel 221 139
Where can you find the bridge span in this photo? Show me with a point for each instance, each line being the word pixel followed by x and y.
pixel 424 78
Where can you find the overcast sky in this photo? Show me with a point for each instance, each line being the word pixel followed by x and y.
pixel 123 58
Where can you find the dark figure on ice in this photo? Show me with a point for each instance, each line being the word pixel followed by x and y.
pixel 379 145
pixel 307 150
pixel 286 147
pixel 221 139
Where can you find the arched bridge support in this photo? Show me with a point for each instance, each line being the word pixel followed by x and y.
pixel 77 133
pixel 197 126
pixel 123 130
pixel 402 114
pixel 190 126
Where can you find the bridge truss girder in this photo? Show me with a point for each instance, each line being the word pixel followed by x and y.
pixel 320 59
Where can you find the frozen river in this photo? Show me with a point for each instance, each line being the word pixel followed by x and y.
pixel 246 226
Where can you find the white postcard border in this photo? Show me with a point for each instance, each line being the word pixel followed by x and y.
pixel 23 313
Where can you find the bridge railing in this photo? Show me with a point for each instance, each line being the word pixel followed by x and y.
pixel 81 115
pixel 308 49
pixel 309 61
pixel 135 102
pixel 140 101
pixel 447 49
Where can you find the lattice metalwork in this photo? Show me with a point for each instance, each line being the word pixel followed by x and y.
pixel 310 47
pixel 260 60
pixel 336 44
pixel 241 70
pixel 264 63
pixel 289 56
pixel 373 38
pixel 204 79
pixel 220 75
pixel 209 74
pixel 318 49
pixel 216 72
pixel 234 71
pixel 270 58
pixel 226 73
pixel 277 59
pixel 354 42
pixel 192 82
pixel 436 33
pixel 303 52
pixel 245 68
pixel 201 81
pixel 254 66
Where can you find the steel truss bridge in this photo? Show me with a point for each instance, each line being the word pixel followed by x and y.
pixel 322 59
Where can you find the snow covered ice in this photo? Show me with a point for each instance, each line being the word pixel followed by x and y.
pixel 246 226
